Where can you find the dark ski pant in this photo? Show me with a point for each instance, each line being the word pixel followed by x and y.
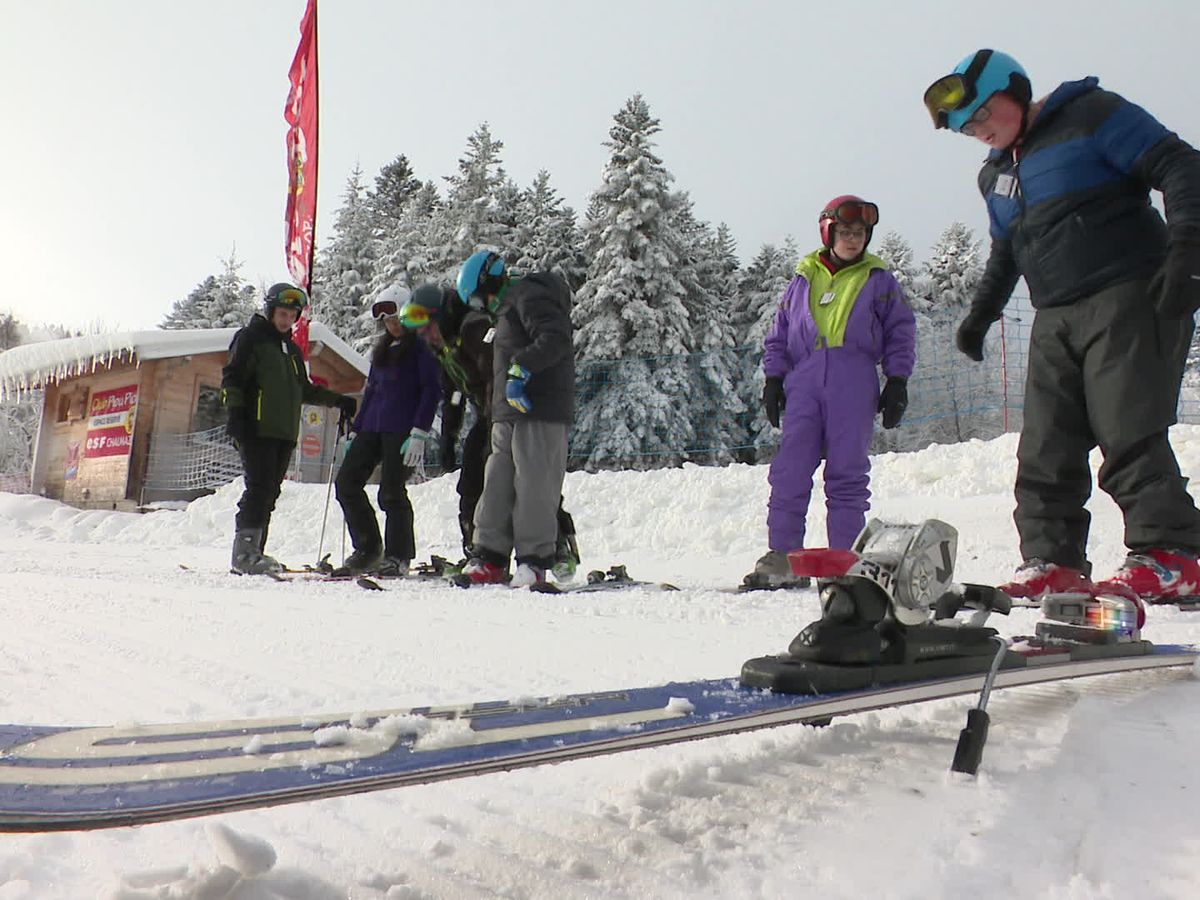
pixel 368 450
pixel 470 477
pixel 522 491
pixel 1104 371
pixel 265 462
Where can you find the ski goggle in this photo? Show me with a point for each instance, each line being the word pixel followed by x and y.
pixel 292 298
pixel 414 316
pixel 384 309
pixel 851 211
pixel 946 95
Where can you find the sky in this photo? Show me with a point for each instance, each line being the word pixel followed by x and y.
pixel 144 141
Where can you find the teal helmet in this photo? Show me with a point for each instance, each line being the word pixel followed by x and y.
pixel 481 275
pixel 953 99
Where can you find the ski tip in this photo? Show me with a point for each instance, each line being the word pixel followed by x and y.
pixel 368 584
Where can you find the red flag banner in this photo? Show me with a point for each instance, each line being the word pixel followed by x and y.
pixel 301 115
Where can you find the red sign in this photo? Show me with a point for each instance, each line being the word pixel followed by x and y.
pixel 311 445
pixel 301 115
pixel 110 423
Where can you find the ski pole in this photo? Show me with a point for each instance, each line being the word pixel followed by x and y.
pixel 320 564
pixel 969 752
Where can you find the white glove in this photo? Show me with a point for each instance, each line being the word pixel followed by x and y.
pixel 413 447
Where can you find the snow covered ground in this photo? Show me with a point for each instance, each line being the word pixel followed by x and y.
pixel 1088 789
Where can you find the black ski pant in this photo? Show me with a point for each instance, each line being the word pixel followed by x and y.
pixel 265 462
pixel 476 448
pixel 1104 371
pixel 368 450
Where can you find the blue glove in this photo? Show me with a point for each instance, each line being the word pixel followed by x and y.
pixel 514 388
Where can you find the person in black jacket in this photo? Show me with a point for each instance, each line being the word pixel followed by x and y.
pixel 263 386
pixel 534 360
pixel 461 336
pixel 1115 289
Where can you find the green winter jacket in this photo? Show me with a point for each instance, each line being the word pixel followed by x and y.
pixel 265 382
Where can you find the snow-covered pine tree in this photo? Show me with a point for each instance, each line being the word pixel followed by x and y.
pixel 547 236
pixel 894 250
pixel 190 312
pixel 232 301
pixel 707 270
pixel 634 413
pixel 761 288
pixel 19 414
pixel 219 301
pixel 395 186
pixel 404 252
pixel 346 267
pixel 479 210
pixel 952 391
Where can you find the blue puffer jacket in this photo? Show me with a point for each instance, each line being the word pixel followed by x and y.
pixel 1071 213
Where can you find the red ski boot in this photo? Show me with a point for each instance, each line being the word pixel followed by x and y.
pixel 1158 576
pixel 1036 577
pixel 482 571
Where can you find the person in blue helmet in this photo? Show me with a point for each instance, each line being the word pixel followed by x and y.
pixel 460 336
pixel 1067 185
pixel 533 406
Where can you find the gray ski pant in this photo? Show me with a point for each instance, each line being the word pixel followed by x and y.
pixel 1104 371
pixel 522 486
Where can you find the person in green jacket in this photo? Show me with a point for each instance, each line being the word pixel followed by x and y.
pixel 263 386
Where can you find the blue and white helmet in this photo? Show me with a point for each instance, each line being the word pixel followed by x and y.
pixel 953 99
pixel 482 274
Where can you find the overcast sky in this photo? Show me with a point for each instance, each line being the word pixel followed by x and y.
pixel 143 139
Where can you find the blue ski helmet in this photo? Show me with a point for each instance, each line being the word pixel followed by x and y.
pixel 954 98
pixel 482 274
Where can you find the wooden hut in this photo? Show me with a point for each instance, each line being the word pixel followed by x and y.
pixel 110 398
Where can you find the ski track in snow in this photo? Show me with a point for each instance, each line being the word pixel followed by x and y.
pixel 1085 789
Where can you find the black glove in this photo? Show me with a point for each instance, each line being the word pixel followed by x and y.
pixel 774 400
pixel 1175 289
pixel 971 332
pixel 893 400
pixel 235 427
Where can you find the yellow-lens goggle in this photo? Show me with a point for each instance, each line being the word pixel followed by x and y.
pixel 946 95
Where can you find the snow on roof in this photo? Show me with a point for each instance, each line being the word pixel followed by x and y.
pixel 31 366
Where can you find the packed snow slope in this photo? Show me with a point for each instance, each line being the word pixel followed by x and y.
pixel 1087 789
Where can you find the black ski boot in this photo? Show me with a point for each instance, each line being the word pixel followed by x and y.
pixel 248 558
pixel 359 562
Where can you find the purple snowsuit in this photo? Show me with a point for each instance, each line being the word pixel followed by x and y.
pixel 832 397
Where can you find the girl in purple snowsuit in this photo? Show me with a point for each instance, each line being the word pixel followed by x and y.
pixel 843 315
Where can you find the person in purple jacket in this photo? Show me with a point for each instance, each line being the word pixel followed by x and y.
pixel 391 429
pixel 843 315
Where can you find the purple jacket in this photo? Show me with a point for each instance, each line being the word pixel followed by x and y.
pixel 401 394
pixel 881 330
